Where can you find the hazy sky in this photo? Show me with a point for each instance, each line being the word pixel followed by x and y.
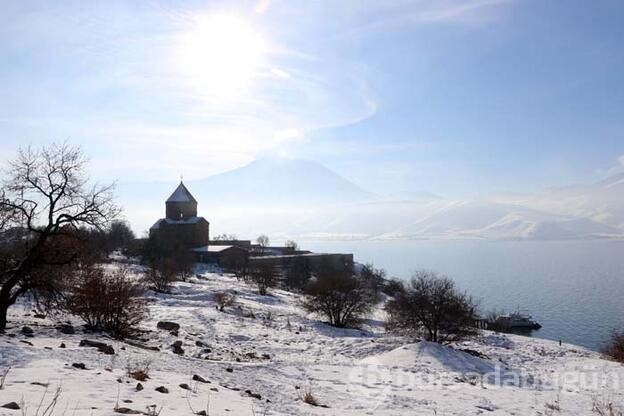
pixel 455 97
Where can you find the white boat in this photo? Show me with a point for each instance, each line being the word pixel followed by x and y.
pixel 517 320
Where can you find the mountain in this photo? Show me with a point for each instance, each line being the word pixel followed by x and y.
pixel 278 180
pixel 291 198
pixel 490 220
pixel 602 202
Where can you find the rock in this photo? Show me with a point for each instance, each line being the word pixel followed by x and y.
pixel 65 329
pixel 79 366
pixel 62 345
pixel 214 389
pixel 39 316
pixel 139 387
pixel 185 386
pixel 202 413
pixel 140 344
pixel 177 348
pixel 26 342
pixel 199 378
pixel 229 370
pixel 162 389
pixel 254 395
pixel 28 331
pixel 105 348
pixel 266 356
pixel 11 405
pixel 127 411
pixel 168 326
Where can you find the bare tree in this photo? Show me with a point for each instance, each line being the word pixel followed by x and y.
pixel 431 303
pixel 263 242
pixel 291 245
pixel 46 194
pixel 374 277
pixel 339 296
pixel 119 235
pixel 225 237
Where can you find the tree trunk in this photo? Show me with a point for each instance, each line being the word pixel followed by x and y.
pixel 4 307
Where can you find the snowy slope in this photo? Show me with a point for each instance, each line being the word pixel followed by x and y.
pixel 268 346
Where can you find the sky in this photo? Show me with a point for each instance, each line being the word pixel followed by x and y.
pixel 454 97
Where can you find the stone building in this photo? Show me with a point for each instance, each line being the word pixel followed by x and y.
pixel 181 226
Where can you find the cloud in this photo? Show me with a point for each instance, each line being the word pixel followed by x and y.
pixel 114 84
pixel 388 16
pixel 621 160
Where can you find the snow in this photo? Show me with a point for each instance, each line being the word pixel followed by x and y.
pixel 269 346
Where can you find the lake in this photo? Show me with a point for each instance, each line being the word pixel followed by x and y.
pixel 575 289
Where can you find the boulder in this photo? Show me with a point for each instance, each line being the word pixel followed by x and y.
pixel 65 329
pixel 28 331
pixel 168 326
pixel 177 348
pixel 199 378
pixel 79 366
pixel 11 405
pixel 105 348
pixel 162 389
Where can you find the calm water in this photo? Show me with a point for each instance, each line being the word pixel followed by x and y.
pixel 575 289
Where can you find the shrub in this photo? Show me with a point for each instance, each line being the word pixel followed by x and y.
pixel 264 275
pixel 432 304
pixel 615 347
pixel 162 274
pixel 107 301
pixel 138 370
pixel 339 296
pixel 224 299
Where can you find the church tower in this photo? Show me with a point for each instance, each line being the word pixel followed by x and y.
pixel 181 226
pixel 181 205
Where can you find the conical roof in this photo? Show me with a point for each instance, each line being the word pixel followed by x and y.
pixel 181 194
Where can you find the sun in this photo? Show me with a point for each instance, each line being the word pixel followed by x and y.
pixel 221 55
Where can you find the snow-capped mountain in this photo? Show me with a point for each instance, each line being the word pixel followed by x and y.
pixel 301 198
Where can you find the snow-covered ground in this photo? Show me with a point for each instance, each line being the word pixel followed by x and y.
pixel 261 356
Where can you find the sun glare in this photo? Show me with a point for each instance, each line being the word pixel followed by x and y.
pixel 221 55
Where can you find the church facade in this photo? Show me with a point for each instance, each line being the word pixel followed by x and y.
pixel 181 225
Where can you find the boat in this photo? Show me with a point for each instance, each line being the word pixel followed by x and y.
pixel 517 321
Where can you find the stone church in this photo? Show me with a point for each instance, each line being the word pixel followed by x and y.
pixel 181 225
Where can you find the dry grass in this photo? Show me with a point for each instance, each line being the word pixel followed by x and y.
pixel 3 377
pixel 309 398
pixel 605 407
pixel 139 370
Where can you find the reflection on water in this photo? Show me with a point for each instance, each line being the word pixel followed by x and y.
pixel 575 289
